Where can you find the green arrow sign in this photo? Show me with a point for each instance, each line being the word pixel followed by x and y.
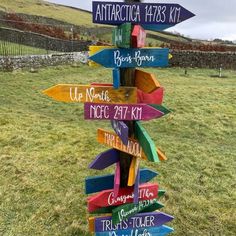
pixel 121 35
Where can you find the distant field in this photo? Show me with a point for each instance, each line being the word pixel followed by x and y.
pixel 46 146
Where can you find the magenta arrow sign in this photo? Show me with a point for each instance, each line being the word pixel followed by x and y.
pixel 101 111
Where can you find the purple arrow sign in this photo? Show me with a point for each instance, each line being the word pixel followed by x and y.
pixel 141 220
pixel 105 159
pixel 121 130
pixel 116 13
pixel 101 111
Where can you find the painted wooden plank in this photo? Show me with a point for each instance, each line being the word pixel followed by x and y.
pixel 105 159
pixel 126 211
pixel 116 78
pixel 116 13
pixel 121 35
pixel 155 206
pixel 112 140
pixel 161 155
pixel 93 50
pixel 146 142
pixel 132 57
pixel 95 184
pixel 117 180
pixel 138 37
pixel 121 130
pixel 106 197
pixel 96 94
pixel 102 111
pixel 133 170
pixel 145 81
pixel 136 186
pixel 141 220
pixel 155 97
pixel 151 231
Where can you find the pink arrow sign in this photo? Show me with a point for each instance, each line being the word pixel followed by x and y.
pixel 117 179
pixel 138 37
pixel 126 195
pixel 155 97
pixel 94 111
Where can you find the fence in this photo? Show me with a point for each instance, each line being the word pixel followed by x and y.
pixel 16 42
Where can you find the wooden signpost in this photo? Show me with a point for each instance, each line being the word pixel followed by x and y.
pixel 95 111
pixel 107 197
pixel 141 220
pixel 98 183
pixel 145 14
pixel 132 57
pixel 95 94
pixel 150 231
pixel 134 96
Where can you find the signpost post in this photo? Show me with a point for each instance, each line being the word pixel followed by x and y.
pixel 134 97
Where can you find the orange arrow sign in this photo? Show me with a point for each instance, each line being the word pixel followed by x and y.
pixel 95 94
pixel 146 81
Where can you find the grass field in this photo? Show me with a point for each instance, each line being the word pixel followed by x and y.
pixel 46 146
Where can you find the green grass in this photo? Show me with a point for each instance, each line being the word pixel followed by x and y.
pixel 13 49
pixel 46 146
pixel 46 9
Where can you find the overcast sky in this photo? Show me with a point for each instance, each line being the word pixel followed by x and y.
pixel 214 18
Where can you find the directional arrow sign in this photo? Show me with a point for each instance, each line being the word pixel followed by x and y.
pixel 138 37
pixel 155 206
pixel 94 111
pixel 126 58
pixel 116 13
pixel 105 159
pixel 98 183
pixel 151 231
pixel 117 180
pixel 121 130
pixel 133 148
pixel 126 211
pixel 155 97
pixel 125 195
pixel 121 35
pixel 141 220
pixel 146 81
pixel 95 94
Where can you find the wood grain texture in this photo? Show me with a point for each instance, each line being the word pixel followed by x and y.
pixel 96 94
pixel 145 81
pixel 106 198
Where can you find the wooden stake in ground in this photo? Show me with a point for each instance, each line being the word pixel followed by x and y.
pixel 127 79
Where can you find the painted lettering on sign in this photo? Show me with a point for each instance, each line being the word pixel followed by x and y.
pixel 116 13
pixel 132 57
pixel 95 94
pixel 120 112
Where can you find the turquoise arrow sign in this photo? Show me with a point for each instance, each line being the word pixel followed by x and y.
pixel 132 57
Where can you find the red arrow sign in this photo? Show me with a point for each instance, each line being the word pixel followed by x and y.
pixel 138 37
pixel 107 198
pixel 155 97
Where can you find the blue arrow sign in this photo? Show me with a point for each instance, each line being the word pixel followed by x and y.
pixel 132 57
pixel 116 13
pixel 160 231
pixel 98 183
